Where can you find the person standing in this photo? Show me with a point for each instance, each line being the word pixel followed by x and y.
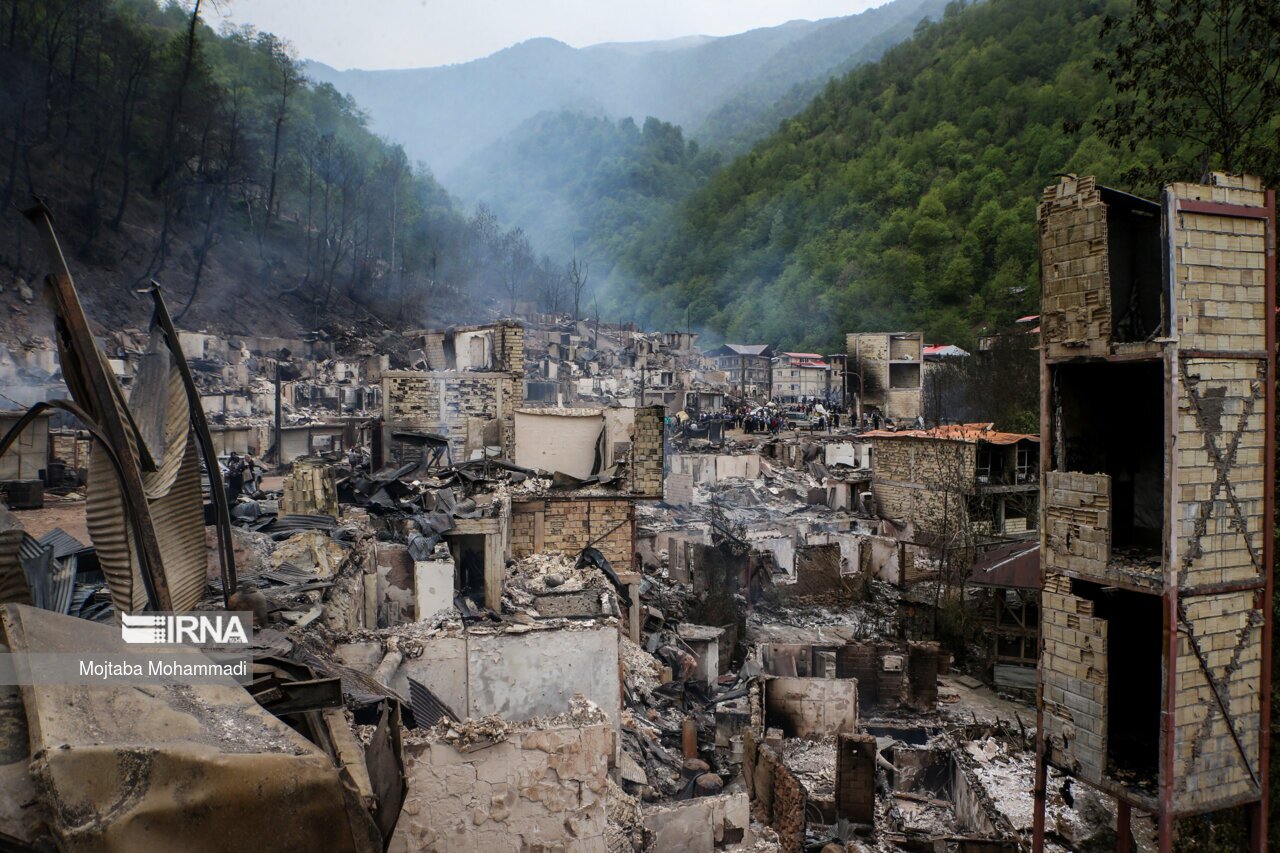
pixel 235 478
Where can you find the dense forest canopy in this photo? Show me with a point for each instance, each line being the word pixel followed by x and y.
pixel 903 196
pixel 170 151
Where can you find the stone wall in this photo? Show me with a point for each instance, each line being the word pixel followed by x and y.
pixel 538 790
pixel 780 798
pixel 571 524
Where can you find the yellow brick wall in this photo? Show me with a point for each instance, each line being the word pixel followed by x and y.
pixel 1209 768
pixel 1073 666
pixel 647 452
pixel 1219 273
pixel 568 526
pixel 444 402
pixel 1075 316
pixel 923 481
pixel 1216 395
pixel 1077 523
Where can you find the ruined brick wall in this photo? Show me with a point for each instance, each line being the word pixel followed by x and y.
pixel 571 525
pixel 1225 632
pixel 856 778
pixel 1075 288
pixel 508 346
pixel 923 481
pixel 452 403
pixel 647 452
pixel 1077 523
pixel 1221 311
pixel 537 790
pixel 779 798
pixel 1073 666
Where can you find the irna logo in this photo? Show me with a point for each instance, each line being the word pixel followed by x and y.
pixel 197 629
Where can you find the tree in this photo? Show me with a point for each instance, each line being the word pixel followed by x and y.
pixel 577 272
pixel 1203 73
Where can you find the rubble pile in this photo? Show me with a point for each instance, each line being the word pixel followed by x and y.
pixel 555 584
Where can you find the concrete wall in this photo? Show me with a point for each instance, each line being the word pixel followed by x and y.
pixel 711 468
pixel 700 825
pixel 28 457
pixel 562 440
pixel 536 674
pixel 519 676
pixel 812 707
pixel 537 790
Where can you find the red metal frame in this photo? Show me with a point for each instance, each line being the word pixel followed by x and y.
pixel 1259 824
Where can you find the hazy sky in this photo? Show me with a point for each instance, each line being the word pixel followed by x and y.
pixel 414 33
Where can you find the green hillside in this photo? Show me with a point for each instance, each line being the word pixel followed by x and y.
pixel 586 184
pixel 903 196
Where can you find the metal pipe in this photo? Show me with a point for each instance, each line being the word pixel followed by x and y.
pixel 1258 825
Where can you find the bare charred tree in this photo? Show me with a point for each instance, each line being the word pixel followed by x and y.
pixel 287 79
pixel 578 273
pixel 517 264
pixel 136 56
pixel 189 49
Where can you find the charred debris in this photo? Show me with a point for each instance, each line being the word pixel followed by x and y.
pixel 538 585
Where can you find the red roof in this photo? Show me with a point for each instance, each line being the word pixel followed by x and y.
pixel 1030 318
pixel 971 433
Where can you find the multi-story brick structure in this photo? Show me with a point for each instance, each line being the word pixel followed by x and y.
pixel 957 485
pixel 886 372
pixel 1157 409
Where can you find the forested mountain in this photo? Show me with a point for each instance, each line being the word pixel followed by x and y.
pixel 208 162
pixel 586 185
pixel 443 115
pixel 903 196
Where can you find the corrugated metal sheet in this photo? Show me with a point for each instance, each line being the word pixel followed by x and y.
pixel 13 580
pixel 63 543
pixel 1016 566
pixel 178 517
pixel 427 707
pixel 106 519
pixel 37 565
pixel 970 433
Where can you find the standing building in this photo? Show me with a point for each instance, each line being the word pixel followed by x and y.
pixel 747 367
pixel 798 376
pixel 1157 404
pixel 885 372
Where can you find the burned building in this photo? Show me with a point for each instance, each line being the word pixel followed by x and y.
pixel 1157 409
pixel 958 485
pixel 885 372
